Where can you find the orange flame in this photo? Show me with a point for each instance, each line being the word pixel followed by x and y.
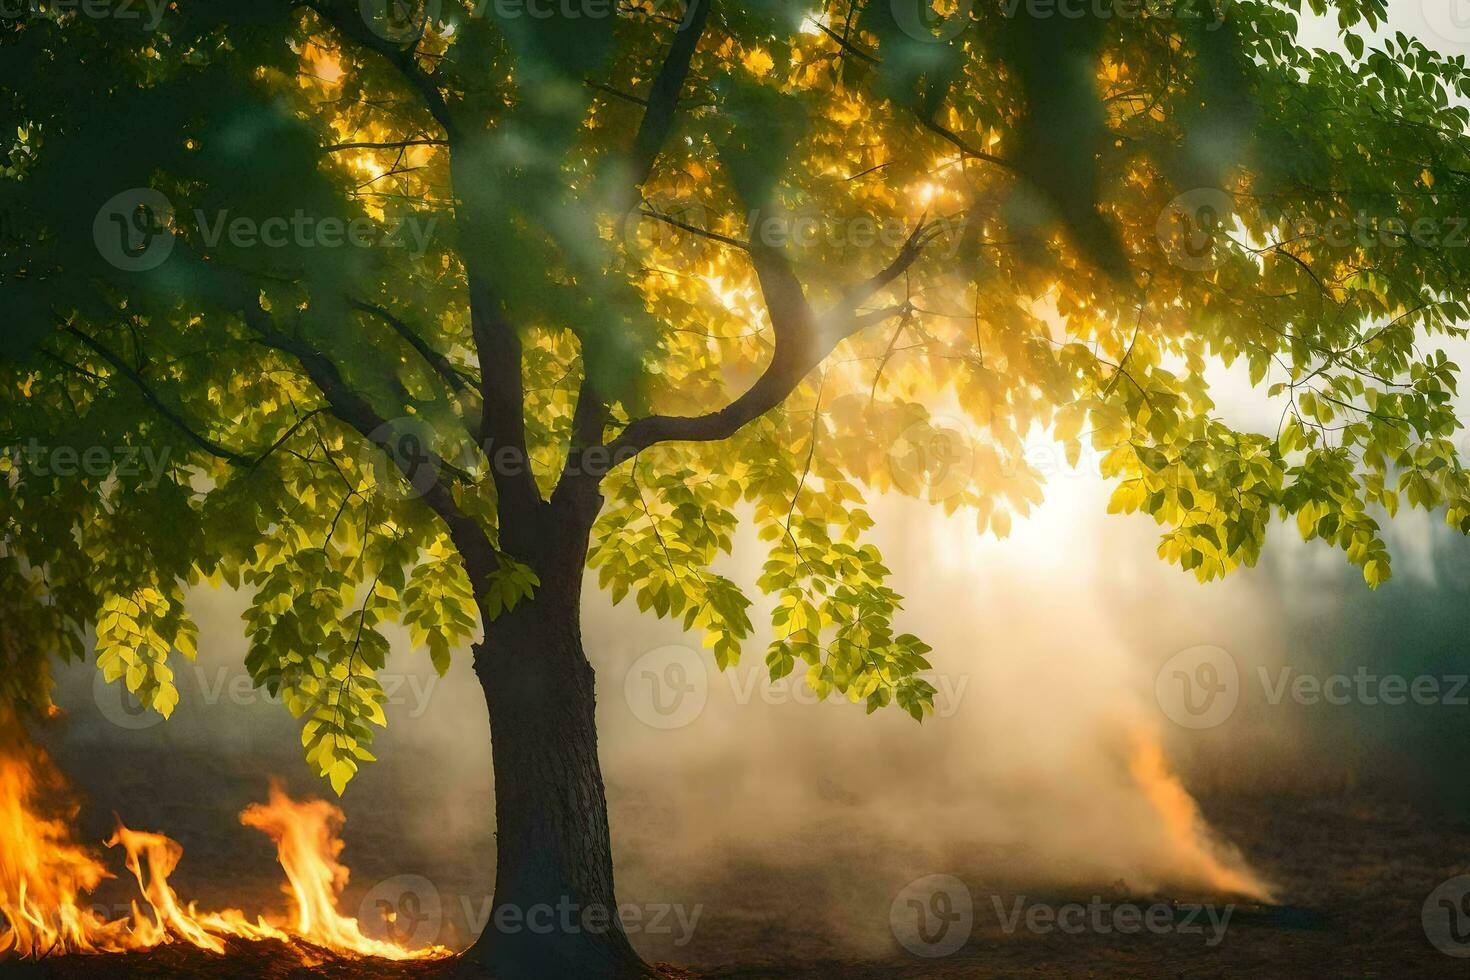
pixel 307 846
pixel 44 875
pixel 1218 864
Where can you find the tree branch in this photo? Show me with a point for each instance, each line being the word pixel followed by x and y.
pixel 176 419
pixel 503 398
pixel 352 25
pixel 591 413
pixel 616 93
pixel 960 143
pixel 394 145
pixel 803 341
pixel 435 359
pixel 663 97
pixel 353 409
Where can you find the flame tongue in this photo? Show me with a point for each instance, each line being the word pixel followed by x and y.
pixel 44 875
pixel 1220 866
pixel 308 847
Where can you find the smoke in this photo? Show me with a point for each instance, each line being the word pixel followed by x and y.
pixel 1053 764
pixel 1042 766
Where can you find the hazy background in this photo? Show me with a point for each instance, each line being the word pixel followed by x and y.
pixel 761 805
pixel 768 812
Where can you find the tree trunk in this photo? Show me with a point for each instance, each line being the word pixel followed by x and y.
pixel 555 909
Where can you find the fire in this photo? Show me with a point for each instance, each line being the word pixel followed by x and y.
pixel 1216 863
pixel 42 873
pixel 308 846
pixel 45 875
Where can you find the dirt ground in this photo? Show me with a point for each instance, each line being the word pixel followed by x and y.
pixel 1355 871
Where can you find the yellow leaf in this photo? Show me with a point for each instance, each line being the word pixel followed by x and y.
pixel 341 774
pixel 759 62
pixel 166 700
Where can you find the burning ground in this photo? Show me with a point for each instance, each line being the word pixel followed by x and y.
pixel 785 831
pixel 49 881
pixel 1356 865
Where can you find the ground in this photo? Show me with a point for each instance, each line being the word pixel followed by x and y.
pixel 1354 871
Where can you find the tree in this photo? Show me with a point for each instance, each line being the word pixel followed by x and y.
pixel 415 315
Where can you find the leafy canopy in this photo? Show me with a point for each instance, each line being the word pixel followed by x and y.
pixel 714 261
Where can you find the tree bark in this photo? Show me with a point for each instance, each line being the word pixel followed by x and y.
pixel 555 907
